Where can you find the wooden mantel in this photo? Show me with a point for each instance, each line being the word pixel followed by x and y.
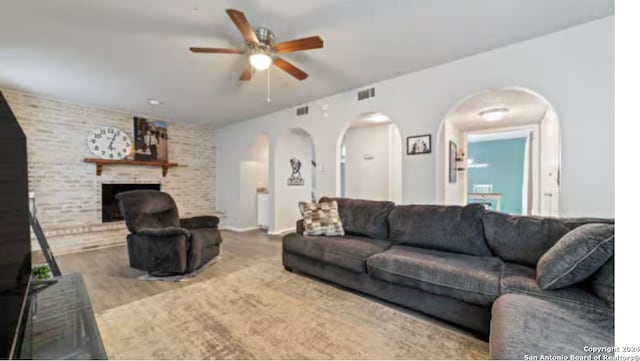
pixel 101 162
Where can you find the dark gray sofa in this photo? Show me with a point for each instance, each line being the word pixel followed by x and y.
pixel 472 267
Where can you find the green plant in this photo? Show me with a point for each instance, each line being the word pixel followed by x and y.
pixel 41 272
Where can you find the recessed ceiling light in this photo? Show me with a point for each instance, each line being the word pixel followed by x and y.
pixel 154 101
pixel 493 114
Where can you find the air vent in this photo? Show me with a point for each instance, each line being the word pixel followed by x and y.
pixel 302 111
pixel 366 94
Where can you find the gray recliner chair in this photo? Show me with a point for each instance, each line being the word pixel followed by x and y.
pixel 160 242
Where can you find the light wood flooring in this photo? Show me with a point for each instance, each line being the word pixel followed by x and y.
pixel 111 282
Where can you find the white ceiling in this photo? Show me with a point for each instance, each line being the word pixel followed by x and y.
pixel 524 108
pixel 119 53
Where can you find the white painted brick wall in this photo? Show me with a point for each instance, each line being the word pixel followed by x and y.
pixel 67 190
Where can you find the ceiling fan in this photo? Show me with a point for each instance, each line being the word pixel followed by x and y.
pixel 262 48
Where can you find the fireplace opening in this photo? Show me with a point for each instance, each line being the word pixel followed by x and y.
pixel 110 211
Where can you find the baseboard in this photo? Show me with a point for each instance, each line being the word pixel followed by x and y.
pixel 281 231
pixel 238 229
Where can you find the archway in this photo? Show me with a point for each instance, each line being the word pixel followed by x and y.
pixel 295 178
pixel 254 185
pixel 515 135
pixel 370 159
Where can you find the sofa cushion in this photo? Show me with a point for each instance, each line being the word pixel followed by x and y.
pixel 321 219
pixel 521 239
pixel 203 246
pixel 576 256
pixel 472 279
pixel 347 252
pixel 602 283
pixel 206 236
pixel 200 222
pixel 447 228
pixel 523 325
pixel 363 217
pixel 522 280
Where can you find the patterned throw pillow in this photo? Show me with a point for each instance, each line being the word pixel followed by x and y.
pixel 321 219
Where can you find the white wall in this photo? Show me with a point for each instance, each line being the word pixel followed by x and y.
pixel 295 144
pixel 550 152
pixel 367 178
pixel 573 69
pixel 395 164
pixel 254 173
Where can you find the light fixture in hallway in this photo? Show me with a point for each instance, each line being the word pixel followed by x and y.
pixel 493 114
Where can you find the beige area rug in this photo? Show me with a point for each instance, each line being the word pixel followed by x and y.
pixel 264 312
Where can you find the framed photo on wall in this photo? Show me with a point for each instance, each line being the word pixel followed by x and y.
pixel 453 166
pixel 419 144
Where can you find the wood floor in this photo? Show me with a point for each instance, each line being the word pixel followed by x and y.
pixel 111 282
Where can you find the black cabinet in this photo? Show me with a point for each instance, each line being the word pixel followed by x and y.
pixel 61 324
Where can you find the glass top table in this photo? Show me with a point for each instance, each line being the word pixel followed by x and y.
pixel 61 324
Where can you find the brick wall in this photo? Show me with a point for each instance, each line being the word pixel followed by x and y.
pixel 67 190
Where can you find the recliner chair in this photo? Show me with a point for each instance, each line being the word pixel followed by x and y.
pixel 160 242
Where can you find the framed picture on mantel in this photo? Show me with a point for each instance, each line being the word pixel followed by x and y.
pixel 151 140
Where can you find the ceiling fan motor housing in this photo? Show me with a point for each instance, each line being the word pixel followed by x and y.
pixel 266 37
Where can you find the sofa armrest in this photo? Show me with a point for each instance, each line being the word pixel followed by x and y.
pixel 300 227
pixel 163 232
pixel 200 222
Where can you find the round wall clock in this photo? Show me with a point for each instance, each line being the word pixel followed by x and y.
pixel 109 143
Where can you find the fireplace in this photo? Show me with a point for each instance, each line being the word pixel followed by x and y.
pixel 110 211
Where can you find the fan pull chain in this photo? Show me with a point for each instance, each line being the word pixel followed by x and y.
pixel 269 85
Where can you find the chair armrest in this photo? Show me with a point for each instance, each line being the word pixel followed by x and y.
pixel 163 232
pixel 200 222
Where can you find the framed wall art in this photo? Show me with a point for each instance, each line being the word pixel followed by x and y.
pixel 419 144
pixel 453 165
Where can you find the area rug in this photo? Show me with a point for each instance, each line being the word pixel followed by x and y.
pixel 264 312
pixel 180 278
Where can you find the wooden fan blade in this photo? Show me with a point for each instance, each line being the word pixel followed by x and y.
pixel 290 68
pixel 312 42
pixel 216 50
pixel 247 73
pixel 243 25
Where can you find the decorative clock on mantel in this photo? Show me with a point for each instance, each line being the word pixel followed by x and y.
pixel 109 143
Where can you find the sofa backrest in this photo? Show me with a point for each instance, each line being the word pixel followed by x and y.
pixel 601 283
pixel 524 239
pixel 572 223
pixel 449 228
pixel 521 239
pixel 148 209
pixel 364 217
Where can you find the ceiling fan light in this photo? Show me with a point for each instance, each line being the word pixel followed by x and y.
pixel 260 61
pixel 493 115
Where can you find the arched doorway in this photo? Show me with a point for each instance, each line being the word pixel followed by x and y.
pixel 295 178
pixel 507 152
pixel 254 185
pixel 370 159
